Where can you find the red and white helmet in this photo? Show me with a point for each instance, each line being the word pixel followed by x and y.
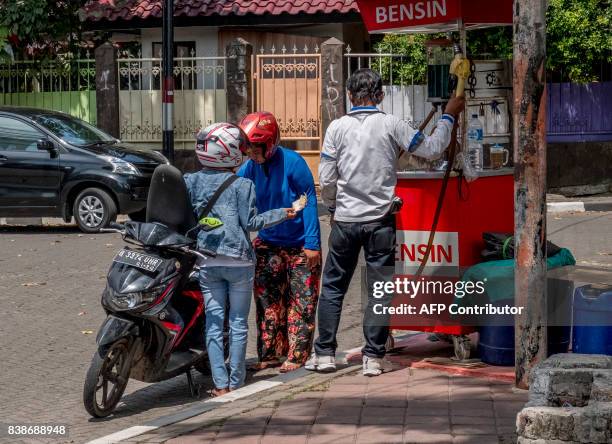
pixel 261 128
pixel 221 145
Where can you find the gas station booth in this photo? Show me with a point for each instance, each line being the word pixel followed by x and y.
pixel 448 205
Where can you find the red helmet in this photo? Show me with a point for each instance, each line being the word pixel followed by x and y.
pixel 261 128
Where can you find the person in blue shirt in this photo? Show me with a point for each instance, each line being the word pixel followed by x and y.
pixel 288 255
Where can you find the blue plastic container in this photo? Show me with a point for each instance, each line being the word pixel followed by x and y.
pixel 496 342
pixel 592 320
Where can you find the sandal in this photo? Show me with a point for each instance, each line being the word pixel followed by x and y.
pixel 216 392
pixel 289 367
pixel 262 365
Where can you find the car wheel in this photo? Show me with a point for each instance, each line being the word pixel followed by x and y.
pixel 94 209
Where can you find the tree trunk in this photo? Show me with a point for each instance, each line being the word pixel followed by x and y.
pixel 530 185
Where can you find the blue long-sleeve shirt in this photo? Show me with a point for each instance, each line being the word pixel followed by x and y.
pixel 279 182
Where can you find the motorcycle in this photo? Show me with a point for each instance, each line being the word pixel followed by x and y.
pixel 154 328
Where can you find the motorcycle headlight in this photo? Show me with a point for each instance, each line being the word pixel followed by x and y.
pixel 129 301
pixel 121 166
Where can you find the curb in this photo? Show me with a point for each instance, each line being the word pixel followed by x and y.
pixel 578 206
pixel 552 207
pixel 234 403
pixel 598 206
pixel 565 207
pixel 44 221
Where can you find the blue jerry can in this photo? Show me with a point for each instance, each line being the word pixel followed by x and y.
pixel 592 332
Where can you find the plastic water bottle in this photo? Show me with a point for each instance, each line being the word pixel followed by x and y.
pixel 475 135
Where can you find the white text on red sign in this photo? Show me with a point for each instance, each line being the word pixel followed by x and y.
pixel 412 11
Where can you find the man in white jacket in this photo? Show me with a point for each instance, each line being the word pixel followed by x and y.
pixel 357 177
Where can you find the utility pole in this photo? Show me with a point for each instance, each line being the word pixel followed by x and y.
pixel 168 83
pixel 529 137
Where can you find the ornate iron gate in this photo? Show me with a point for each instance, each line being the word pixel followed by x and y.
pixel 288 84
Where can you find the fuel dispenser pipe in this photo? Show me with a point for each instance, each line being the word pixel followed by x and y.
pixel 460 67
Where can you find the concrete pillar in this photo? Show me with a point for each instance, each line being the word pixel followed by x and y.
pixel 239 80
pixel 107 89
pixel 333 87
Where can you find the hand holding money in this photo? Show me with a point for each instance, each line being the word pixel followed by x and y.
pixel 300 204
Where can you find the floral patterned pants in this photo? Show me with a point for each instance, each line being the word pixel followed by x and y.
pixel 286 292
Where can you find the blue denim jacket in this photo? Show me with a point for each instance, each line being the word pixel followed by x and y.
pixel 236 208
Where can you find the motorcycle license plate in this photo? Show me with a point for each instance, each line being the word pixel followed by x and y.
pixel 139 260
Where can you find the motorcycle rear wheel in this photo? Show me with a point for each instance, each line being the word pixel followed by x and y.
pixel 110 370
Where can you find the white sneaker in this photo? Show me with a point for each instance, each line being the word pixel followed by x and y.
pixel 375 366
pixel 323 364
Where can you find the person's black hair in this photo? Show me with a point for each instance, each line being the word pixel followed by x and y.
pixel 365 85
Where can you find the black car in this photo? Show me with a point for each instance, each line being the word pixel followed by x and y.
pixel 55 165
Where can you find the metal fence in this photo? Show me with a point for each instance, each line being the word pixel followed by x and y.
pixel 199 98
pixel 579 113
pixel 66 85
pixel 403 98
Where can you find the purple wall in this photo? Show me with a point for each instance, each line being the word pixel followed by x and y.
pixel 579 113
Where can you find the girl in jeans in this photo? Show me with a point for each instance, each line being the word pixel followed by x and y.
pixel 227 279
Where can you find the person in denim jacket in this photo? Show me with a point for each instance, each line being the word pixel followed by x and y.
pixel 227 278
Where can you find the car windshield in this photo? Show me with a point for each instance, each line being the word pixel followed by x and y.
pixel 73 131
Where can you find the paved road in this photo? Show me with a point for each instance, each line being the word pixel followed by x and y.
pixel 51 281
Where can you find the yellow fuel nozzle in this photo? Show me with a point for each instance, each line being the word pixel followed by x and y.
pixel 460 67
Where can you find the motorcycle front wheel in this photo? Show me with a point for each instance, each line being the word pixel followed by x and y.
pixel 106 379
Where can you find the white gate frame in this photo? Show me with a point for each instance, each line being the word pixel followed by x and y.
pixel 403 98
pixel 200 97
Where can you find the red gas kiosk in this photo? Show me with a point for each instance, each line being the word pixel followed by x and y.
pixel 468 208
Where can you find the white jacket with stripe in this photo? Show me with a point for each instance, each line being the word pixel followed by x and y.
pixel 358 169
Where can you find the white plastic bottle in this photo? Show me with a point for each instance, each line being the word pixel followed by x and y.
pixel 475 135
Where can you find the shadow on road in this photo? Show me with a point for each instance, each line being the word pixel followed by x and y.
pixel 31 229
pixel 575 224
pixel 171 393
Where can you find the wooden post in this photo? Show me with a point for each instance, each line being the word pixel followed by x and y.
pixel 529 137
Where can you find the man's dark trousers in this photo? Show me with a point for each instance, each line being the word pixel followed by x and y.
pixel 345 242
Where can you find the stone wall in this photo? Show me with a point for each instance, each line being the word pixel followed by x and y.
pixel 570 401
pixel 579 168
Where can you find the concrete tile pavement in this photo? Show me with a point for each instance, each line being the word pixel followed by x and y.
pixel 404 406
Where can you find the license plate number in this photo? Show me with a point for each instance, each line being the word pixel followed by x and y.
pixel 139 260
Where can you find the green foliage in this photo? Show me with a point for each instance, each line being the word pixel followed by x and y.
pixel 413 64
pixel 4 54
pixel 579 37
pixel 492 43
pixel 39 25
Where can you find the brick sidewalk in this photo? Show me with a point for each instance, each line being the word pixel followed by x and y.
pixel 407 405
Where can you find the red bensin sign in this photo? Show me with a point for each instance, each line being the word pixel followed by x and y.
pixel 388 15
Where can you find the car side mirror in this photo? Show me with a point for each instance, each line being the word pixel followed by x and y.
pixel 45 145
